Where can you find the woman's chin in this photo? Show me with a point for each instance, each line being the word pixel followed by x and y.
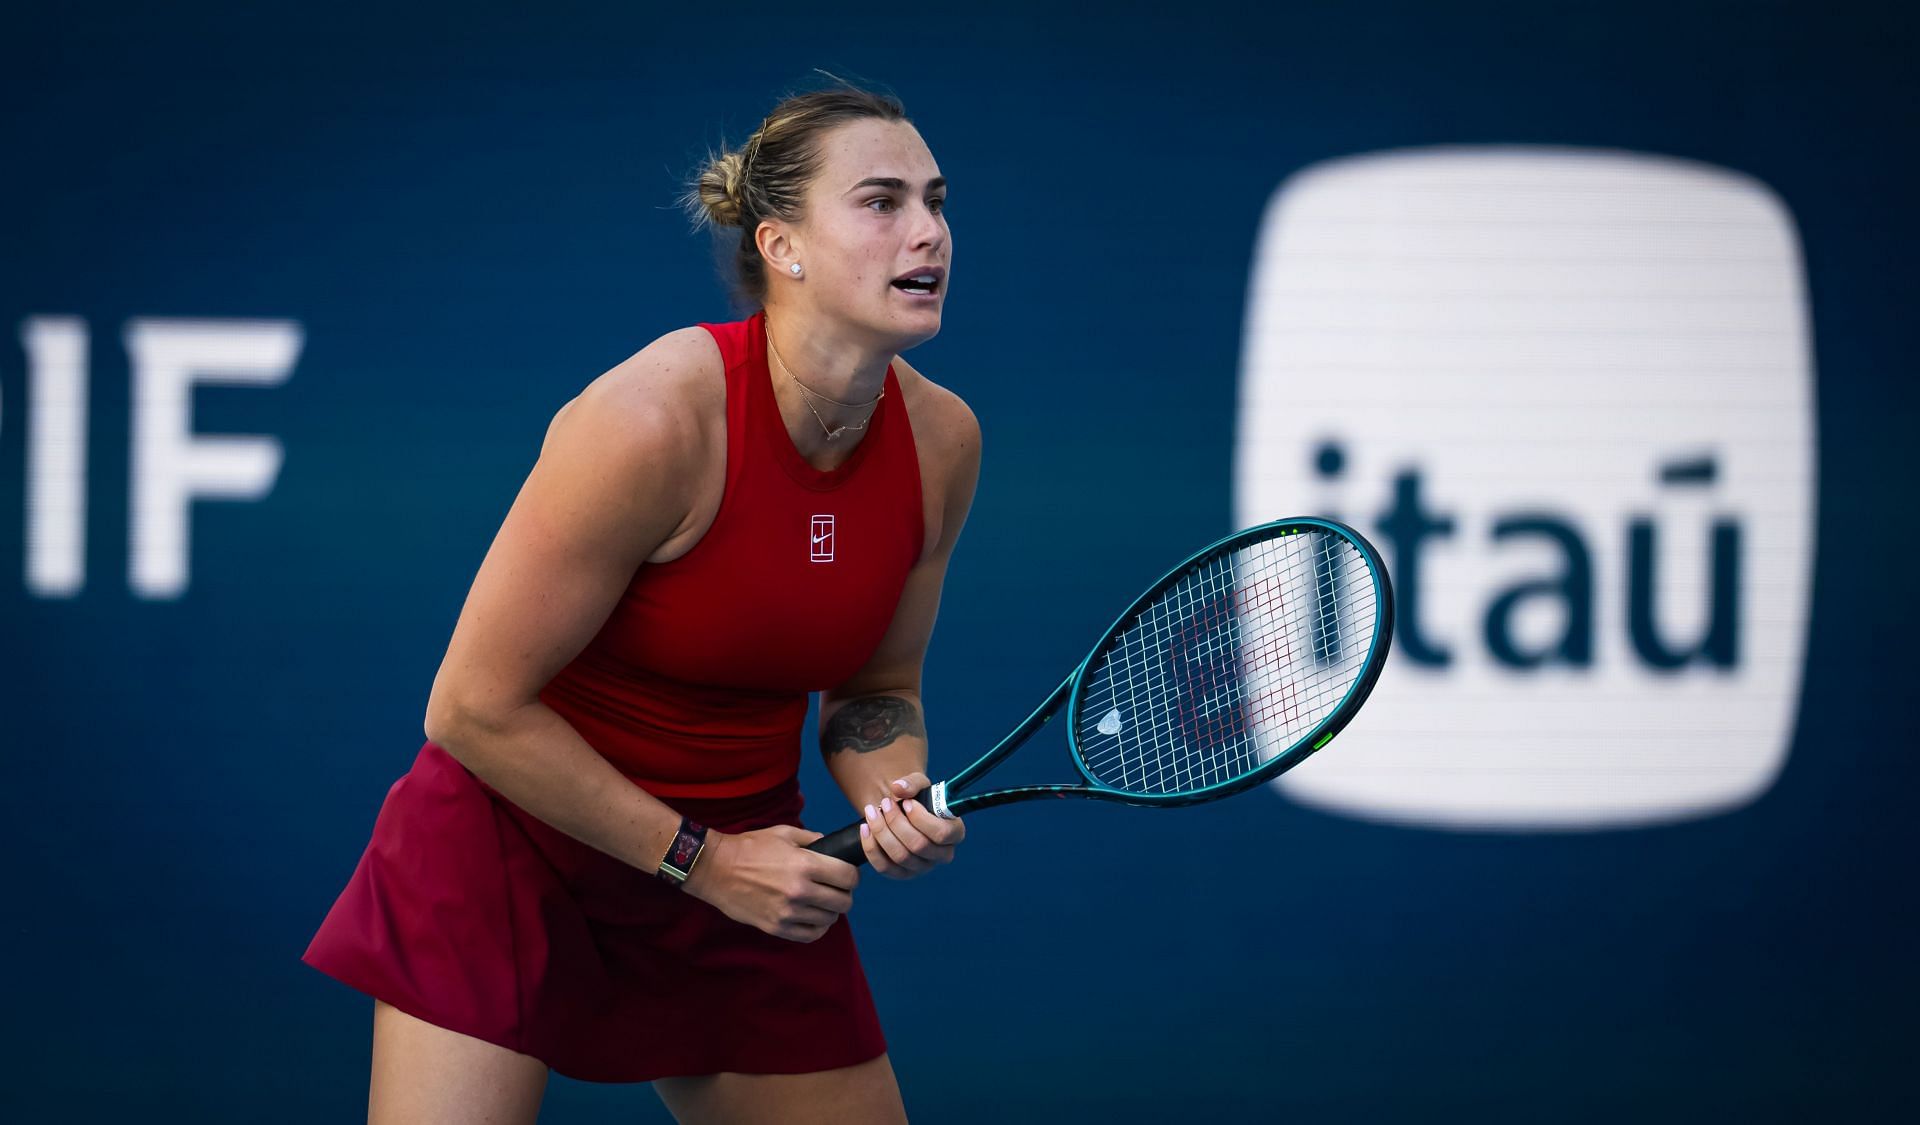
pixel 905 331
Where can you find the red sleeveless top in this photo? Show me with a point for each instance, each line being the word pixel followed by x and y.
pixel 697 684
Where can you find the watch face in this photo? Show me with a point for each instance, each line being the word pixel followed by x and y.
pixel 677 864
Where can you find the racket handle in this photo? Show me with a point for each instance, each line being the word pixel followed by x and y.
pixel 845 844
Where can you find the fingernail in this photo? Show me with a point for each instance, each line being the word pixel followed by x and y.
pixel 886 804
pixel 864 830
pixel 900 784
pixel 870 815
pixel 908 805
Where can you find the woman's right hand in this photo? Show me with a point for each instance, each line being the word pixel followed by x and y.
pixel 769 880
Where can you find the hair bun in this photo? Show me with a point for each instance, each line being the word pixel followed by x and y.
pixel 722 189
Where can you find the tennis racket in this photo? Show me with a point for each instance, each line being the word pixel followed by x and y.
pixel 1235 667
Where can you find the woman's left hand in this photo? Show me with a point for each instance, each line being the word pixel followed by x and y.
pixel 902 837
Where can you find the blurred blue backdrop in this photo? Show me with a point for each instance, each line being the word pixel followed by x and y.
pixel 468 214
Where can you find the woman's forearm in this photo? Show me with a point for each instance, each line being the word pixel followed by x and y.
pixel 538 761
pixel 870 740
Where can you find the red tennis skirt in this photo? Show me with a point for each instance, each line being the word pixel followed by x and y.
pixel 472 914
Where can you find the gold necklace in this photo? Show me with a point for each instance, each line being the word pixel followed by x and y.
pixel 807 396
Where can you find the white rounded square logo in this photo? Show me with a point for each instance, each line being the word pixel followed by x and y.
pixel 1569 395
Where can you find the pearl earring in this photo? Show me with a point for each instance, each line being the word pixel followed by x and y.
pixel 795 268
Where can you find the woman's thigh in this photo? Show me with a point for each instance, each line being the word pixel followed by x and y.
pixel 863 1094
pixel 424 1074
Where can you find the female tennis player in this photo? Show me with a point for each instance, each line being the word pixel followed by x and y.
pixel 595 865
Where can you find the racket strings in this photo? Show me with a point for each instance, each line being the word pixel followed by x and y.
pixel 1230 667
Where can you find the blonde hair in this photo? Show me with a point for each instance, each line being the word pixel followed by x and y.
pixel 767 177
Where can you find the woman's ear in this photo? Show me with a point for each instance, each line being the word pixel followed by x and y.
pixel 778 247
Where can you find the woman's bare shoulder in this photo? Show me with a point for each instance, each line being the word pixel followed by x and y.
pixel 633 452
pixel 673 383
pixel 940 417
pixel 946 435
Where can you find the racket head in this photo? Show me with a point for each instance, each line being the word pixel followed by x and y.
pixel 1234 667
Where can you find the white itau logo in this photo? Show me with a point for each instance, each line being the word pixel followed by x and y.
pixel 1569 395
pixel 821 547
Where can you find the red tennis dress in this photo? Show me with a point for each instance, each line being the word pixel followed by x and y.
pixel 471 913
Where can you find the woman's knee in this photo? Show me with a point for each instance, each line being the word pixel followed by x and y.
pixel 424 1074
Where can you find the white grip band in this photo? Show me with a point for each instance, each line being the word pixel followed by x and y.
pixel 937 800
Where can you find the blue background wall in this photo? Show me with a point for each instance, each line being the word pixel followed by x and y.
pixel 469 213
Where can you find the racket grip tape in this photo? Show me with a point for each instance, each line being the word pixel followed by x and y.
pixel 845 844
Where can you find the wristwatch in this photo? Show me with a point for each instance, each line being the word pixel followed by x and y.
pixel 683 853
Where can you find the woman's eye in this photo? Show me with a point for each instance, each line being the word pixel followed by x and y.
pixel 937 204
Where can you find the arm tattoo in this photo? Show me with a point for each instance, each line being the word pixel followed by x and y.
pixel 870 723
